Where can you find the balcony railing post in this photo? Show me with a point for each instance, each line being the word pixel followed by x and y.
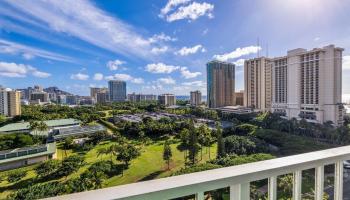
pixel 297 181
pixel 319 183
pixel 272 188
pixel 338 181
pixel 240 191
pixel 200 196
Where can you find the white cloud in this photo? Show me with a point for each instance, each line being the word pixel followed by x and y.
pixel 125 77
pixel 167 81
pixel 187 74
pixel 161 37
pixel 239 62
pixel 93 25
pixel 28 53
pixel 192 12
pixel 238 53
pixel 159 50
pixel 161 68
pixel 171 5
pixel 316 39
pixel 79 76
pixel 184 51
pixel 138 80
pixel 205 31
pixel 183 89
pixel 20 70
pixel 195 84
pixel 40 74
pixel 98 77
pixel 346 62
pixel 115 64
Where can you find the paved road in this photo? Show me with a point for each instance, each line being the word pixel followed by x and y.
pixel 346 196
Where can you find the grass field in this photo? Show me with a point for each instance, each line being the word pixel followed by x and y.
pixel 149 165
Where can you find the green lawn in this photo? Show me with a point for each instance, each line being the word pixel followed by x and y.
pixel 149 165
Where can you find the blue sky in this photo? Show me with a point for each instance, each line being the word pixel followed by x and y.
pixel 157 46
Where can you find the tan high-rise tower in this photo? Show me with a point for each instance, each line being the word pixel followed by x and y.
pixel 308 85
pixel 258 83
pixel 10 102
pixel 220 84
pixel 14 103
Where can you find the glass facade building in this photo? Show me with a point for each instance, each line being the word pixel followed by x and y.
pixel 117 90
pixel 220 84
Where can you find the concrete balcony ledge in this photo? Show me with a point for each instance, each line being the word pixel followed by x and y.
pixel 236 177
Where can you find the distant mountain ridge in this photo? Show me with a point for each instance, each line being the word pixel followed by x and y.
pixel 56 90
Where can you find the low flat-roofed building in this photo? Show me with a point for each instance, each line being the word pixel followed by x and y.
pixel 235 110
pixel 15 158
pixel 24 126
pixel 74 131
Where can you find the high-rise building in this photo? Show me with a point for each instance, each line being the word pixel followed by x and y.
pixel 61 99
pixel 14 103
pixel 141 97
pixel 308 85
pixel 39 97
pixel 239 98
pixel 196 98
pixel 117 90
pixel 71 99
pixel 220 84
pixel 258 83
pixel 95 90
pixel 167 99
pixel 102 97
pixel 10 102
pixel 38 88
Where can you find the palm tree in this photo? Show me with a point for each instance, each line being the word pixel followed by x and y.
pixel 42 126
pixel 34 126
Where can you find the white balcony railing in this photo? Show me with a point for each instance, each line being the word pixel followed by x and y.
pixel 238 178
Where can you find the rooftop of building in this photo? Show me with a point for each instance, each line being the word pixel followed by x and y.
pixel 222 62
pixel 50 123
pixel 27 152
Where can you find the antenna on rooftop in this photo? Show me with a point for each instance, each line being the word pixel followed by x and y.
pixel 258 45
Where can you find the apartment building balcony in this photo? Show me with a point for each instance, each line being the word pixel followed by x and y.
pixel 237 178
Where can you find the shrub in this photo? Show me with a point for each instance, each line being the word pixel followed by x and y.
pixel 196 168
pixel 16 175
pixel 48 167
pixel 232 160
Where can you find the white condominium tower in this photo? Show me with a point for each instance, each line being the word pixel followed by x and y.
pixel 308 85
pixel 258 83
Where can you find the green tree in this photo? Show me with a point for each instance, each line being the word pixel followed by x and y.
pixel 67 144
pixel 167 153
pixel 2 119
pixel 126 153
pixel 193 145
pixel 42 126
pixel 239 145
pixel 70 164
pixel 184 137
pixel 204 138
pixel 16 175
pixel 48 167
pixel 34 127
pixel 221 145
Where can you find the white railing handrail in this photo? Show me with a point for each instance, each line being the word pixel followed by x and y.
pixel 183 185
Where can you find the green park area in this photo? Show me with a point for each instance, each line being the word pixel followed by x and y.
pixel 131 152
